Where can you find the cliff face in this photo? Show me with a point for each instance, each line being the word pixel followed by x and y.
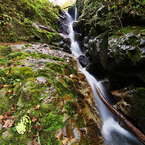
pixel 113 36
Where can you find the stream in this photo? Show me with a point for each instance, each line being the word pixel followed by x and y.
pixel 112 132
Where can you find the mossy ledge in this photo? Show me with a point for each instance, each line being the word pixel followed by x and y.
pixel 43 97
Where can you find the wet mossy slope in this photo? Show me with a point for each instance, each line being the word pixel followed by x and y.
pixel 20 20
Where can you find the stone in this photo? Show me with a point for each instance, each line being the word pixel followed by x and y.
pixel 78 37
pixel 17 47
pixel 106 84
pixel 76 27
pixel 84 61
pixel 142 43
pixel 124 107
pixel 67 41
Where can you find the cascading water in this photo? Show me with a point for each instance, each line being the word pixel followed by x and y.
pixel 112 132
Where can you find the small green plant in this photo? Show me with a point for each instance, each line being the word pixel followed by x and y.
pixel 21 127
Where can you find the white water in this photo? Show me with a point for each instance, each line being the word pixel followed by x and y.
pixel 112 132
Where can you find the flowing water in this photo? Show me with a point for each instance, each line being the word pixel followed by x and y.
pixel 112 132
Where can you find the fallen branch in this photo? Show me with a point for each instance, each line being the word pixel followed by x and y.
pixel 137 132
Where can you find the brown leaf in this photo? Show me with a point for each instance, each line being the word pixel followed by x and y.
pixel 134 26
pixel 1 117
pixel 8 123
pixel 9 92
pixel 40 127
pixel 22 65
pixel 40 114
pixel 34 136
pixel 35 142
pixel 34 119
pixel 34 126
pixel 37 107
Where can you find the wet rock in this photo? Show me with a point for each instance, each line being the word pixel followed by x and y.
pixel 106 84
pixel 142 43
pixel 63 23
pixel 78 37
pixel 76 27
pixel 132 104
pixel 67 41
pixel 84 61
pixel 124 107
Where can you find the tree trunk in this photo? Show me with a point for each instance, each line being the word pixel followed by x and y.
pixel 137 132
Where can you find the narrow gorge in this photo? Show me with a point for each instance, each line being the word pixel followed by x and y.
pixel 72 77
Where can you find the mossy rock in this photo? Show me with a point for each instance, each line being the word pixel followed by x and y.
pixel 24 72
pixel 5 50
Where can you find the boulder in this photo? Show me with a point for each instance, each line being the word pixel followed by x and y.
pixel 78 37
pixel 84 61
pixel 132 104
pixel 76 27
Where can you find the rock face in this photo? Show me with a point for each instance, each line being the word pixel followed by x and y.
pixel 116 49
pixel 131 104
pixel 48 94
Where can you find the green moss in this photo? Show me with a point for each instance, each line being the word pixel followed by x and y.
pixel 24 72
pixel 5 50
pixel 67 88
pixel 72 108
pixel 141 92
pixel 18 19
pixel 72 71
pixel 57 68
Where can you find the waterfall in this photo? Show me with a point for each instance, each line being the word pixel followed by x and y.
pixel 112 132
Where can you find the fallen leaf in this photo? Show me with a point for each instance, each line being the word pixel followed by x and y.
pixel 35 142
pixel 34 136
pixel 40 127
pixel 37 107
pixel 40 114
pixel 34 119
pixel 22 65
pixel 1 117
pixel 9 92
pixel 8 123
pixel 134 26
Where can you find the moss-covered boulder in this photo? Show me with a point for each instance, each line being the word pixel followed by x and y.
pixel 43 98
